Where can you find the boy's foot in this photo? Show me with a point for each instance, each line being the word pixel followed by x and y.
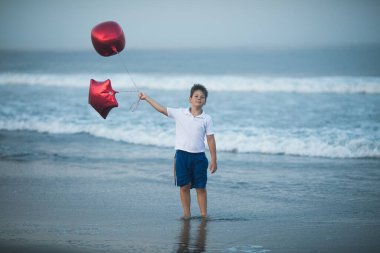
pixel 186 217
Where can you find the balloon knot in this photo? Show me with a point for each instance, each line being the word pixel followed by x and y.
pixel 114 49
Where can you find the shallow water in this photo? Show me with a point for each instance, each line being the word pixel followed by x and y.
pixel 124 199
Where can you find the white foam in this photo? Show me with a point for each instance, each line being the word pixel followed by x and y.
pixel 120 81
pixel 248 249
pixel 314 144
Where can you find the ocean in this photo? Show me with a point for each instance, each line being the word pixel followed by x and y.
pixel 311 112
pixel 297 134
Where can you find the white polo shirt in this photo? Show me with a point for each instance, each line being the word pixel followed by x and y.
pixel 190 130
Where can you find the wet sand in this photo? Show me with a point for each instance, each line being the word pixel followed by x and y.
pixel 64 193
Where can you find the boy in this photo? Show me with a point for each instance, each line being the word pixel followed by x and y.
pixel 192 126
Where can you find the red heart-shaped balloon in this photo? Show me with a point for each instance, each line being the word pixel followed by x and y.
pixel 108 38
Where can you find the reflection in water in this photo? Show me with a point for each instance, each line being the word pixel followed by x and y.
pixel 199 242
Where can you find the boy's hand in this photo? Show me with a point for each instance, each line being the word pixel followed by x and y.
pixel 213 167
pixel 142 96
pixel 153 103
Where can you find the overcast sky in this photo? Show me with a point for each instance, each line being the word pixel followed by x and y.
pixel 66 25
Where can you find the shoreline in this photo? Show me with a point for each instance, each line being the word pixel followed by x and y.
pixel 65 192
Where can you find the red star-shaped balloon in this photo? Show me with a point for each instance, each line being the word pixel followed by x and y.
pixel 102 97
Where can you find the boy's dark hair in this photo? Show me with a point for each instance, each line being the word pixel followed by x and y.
pixel 200 87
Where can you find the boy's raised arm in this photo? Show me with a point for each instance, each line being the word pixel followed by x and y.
pixel 154 104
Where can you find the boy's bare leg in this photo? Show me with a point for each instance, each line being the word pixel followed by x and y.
pixel 202 201
pixel 185 200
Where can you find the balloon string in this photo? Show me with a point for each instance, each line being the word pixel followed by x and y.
pixel 134 105
pixel 127 91
pixel 129 74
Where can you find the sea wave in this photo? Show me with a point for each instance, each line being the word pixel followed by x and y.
pixel 313 144
pixel 338 84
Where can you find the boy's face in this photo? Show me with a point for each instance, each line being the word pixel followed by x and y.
pixel 198 99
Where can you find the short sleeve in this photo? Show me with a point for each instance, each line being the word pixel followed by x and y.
pixel 172 112
pixel 209 126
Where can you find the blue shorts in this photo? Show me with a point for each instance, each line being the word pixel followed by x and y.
pixel 191 168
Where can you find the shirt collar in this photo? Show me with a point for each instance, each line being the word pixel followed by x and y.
pixel 187 112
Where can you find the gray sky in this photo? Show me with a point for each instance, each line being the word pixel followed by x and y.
pixel 281 24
